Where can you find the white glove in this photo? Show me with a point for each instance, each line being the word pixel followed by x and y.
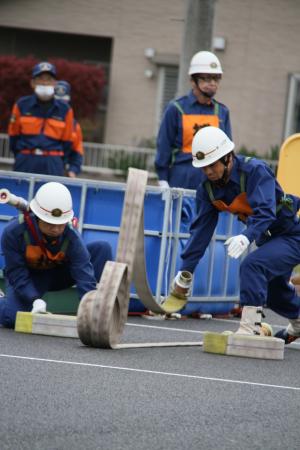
pixel 237 245
pixel 39 306
pixel 163 184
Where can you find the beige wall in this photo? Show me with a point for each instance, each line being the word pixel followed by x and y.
pixel 134 25
pixel 262 48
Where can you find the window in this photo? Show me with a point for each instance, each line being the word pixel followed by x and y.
pixel 292 120
pixel 167 87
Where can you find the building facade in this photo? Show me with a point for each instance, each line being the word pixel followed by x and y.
pixel 139 42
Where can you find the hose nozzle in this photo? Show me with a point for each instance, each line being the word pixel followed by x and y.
pixel 13 200
pixel 182 283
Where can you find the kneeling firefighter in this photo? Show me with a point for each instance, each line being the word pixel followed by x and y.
pixel 44 252
pixel 248 188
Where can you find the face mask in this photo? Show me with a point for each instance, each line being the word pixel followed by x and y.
pixel 44 92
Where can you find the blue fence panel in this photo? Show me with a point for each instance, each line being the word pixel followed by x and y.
pixel 167 219
pixel 153 211
pixel 103 206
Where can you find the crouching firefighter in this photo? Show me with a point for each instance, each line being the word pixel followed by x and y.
pixel 43 252
pixel 248 188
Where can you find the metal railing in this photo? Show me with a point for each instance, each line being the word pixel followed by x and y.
pixel 101 158
pixel 107 158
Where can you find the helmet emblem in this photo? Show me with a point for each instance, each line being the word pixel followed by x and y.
pixel 56 212
pixel 200 155
pixel 213 65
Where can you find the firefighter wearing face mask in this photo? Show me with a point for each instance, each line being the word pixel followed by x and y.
pixel 43 252
pixel 183 117
pixel 248 188
pixel 41 128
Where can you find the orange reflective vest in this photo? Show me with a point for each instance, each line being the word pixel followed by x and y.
pixel 191 123
pixel 239 206
pixel 36 254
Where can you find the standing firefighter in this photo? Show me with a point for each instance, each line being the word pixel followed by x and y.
pixel 41 129
pixel 43 252
pixel 62 91
pixel 183 117
pixel 247 187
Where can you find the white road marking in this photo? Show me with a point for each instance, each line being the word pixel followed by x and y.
pixel 152 372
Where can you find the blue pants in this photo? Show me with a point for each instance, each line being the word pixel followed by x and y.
pixel 50 280
pixel 48 165
pixel 185 175
pixel 265 274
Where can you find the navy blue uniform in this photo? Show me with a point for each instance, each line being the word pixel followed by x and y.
pixel 41 137
pixel 273 225
pixel 28 276
pixel 182 119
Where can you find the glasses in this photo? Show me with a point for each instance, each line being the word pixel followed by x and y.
pixel 209 78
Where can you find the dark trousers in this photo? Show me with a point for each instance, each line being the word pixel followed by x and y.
pixel 50 280
pixel 265 275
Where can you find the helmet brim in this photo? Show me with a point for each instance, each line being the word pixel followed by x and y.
pixel 198 163
pixel 48 217
pixel 200 70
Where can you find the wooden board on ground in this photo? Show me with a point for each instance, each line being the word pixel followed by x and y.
pixel 242 345
pixel 66 326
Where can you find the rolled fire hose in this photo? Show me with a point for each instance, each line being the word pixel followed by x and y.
pixel 102 314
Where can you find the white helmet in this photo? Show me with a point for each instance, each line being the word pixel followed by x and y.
pixel 53 203
pixel 205 62
pixel 209 145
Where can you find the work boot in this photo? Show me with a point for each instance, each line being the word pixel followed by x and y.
pixel 291 333
pixel 251 323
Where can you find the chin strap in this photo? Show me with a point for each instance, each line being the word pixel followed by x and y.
pixel 224 180
pixel 205 94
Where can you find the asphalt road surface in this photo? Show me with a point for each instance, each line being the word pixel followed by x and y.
pixel 58 394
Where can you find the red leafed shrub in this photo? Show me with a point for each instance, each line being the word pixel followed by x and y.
pixel 86 80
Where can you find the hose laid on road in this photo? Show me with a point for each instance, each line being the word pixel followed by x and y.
pixel 102 314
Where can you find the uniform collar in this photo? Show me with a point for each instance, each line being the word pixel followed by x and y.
pixel 192 99
pixel 53 104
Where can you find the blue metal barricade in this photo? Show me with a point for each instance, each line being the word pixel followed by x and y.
pixel 98 206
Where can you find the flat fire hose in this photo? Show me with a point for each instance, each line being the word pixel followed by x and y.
pixel 102 314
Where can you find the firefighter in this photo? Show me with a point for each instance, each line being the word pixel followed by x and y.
pixel 44 252
pixel 62 91
pixel 248 188
pixel 41 129
pixel 183 117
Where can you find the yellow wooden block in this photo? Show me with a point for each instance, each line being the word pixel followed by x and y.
pixel 215 343
pixel 23 322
